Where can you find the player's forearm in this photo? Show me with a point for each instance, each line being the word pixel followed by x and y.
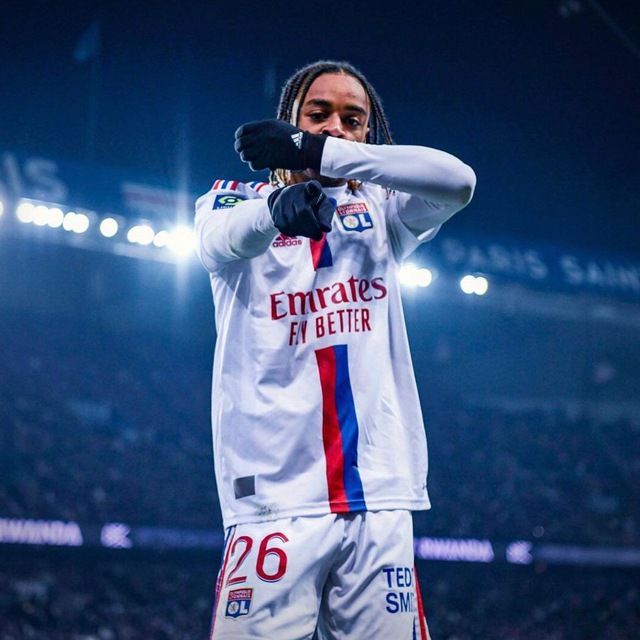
pixel 243 232
pixel 431 174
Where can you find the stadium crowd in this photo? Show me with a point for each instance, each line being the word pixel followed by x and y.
pixel 534 475
pixel 99 428
pixel 170 599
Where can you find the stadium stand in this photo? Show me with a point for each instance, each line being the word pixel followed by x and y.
pixel 99 428
pixel 105 422
pixel 169 599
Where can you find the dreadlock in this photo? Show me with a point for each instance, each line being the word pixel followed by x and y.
pixel 293 95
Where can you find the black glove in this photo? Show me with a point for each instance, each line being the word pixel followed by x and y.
pixel 301 209
pixel 276 144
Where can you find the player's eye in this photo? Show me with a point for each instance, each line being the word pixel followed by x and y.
pixel 352 121
pixel 317 116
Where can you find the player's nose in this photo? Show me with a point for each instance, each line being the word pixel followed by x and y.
pixel 333 127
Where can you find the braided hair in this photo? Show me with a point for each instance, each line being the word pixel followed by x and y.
pixel 294 92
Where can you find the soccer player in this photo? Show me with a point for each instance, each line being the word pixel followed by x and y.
pixel 320 450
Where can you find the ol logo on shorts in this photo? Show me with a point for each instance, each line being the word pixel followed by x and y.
pixel 238 603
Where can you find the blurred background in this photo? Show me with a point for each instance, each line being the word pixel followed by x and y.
pixel 523 314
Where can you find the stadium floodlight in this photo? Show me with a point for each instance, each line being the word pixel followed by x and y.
pixel 474 284
pixel 467 284
pixel 67 221
pixel 480 286
pixel 182 241
pixel 55 217
pixel 109 227
pixel 140 234
pixel 132 235
pixel 408 274
pixel 161 239
pixel 423 277
pixel 40 215
pixel 1 207
pixel 80 223
pixel 24 212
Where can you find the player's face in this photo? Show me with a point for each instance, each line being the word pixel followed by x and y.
pixel 337 105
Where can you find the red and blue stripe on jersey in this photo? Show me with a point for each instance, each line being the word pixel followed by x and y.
pixel 226 549
pixel 226 185
pixel 339 431
pixel 321 253
pixel 320 250
pixel 232 185
pixel 422 620
pixel 257 186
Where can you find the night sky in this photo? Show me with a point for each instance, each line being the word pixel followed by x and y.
pixel 541 98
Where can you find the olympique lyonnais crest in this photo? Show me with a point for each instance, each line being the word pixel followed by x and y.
pixel 354 216
pixel 238 603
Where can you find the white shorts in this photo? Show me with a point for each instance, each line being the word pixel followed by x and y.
pixel 320 577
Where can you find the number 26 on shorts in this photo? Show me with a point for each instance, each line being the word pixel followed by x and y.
pixel 271 563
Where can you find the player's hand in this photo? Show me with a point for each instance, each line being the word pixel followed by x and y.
pixel 276 144
pixel 301 209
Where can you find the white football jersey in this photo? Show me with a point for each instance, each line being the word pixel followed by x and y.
pixel 315 408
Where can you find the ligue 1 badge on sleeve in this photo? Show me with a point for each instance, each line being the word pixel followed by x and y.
pixel 354 216
pixel 238 603
pixel 227 200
